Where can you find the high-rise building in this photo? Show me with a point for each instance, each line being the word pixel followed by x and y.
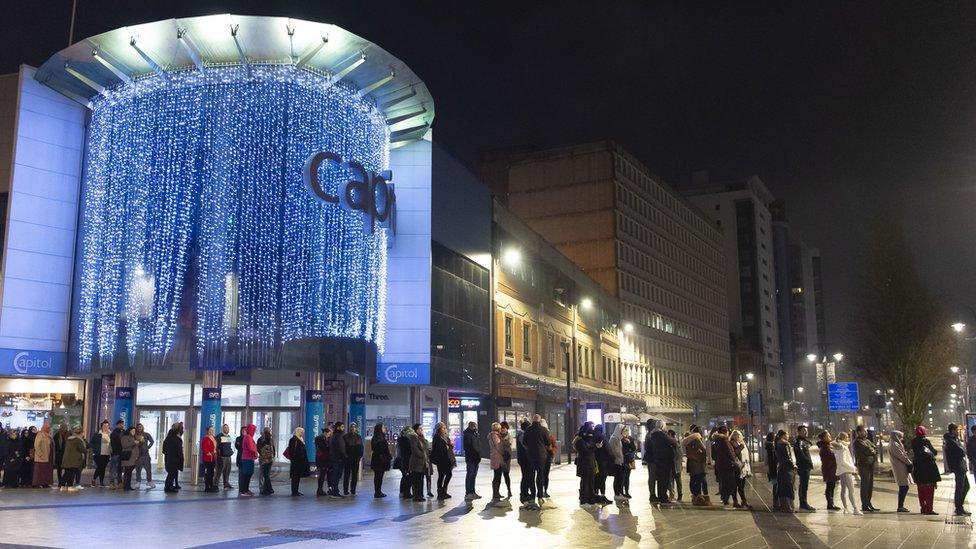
pixel 646 245
pixel 741 211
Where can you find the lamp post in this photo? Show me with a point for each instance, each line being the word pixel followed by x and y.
pixel 746 378
pixel 585 303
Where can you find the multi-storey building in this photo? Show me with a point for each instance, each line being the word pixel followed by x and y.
pixel 741 210
pixel 647 247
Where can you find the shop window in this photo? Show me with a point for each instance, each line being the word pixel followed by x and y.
pixel 230 395
pixel 275 396
pixel 163 394
pixel 508 336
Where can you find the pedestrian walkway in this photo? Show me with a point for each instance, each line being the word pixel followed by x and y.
pixel 97 517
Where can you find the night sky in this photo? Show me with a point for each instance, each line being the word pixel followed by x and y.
pixel 841 108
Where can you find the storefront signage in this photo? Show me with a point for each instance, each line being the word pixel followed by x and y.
pixel 413 373
pixel 464 403
pixel 314 418
pixel 21 362
pixel 123 405
pixel 367 192
pixel 210 408
pixel 357 410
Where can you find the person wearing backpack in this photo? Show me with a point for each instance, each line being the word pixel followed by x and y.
pixel 266 457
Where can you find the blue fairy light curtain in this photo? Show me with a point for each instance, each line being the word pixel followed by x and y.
pixel 196 220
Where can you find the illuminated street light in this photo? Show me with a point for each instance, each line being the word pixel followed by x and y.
pixel 586 303
pixel 891 391
pixel 877 391
pixel 954 369
pixel 812 357
pixel 953 387
pixel 838 356
pixel 749 376
pixel 512 257
pixel 799 389
pixel 959 327
pixel 629 328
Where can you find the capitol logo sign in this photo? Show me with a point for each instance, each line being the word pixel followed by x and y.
pixel 24 363
pixel 367 192
pixel 404 374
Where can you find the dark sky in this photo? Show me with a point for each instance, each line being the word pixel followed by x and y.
pixel 841 108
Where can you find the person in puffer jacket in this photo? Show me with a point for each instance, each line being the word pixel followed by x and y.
pixel 694 449
pixel 845 470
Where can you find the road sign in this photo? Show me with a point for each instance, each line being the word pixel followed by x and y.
pixel 843 397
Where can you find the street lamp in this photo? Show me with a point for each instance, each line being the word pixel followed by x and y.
pixel 812 357
pixel 586 303
pixel 512 257
pixel 959 327
pixel 748 377
pixel 954 369
pixel 628 328
pixel 838 356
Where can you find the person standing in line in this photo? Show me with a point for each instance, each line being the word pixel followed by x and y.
pixel 266 457
pixel 225 451
pixel 496 460
pixel 442 455
pixel 724 459
pixel 551 448
pixel 145 442
pixel 73 460
pixel 925 471
pixel 647 458
pixel 958 466
pixel 743 469
pixel 616 448
pixel 694 450
pixel 239 446
pixel 804 464
pixel 4 444
pixel 664 448
pixel 43 454
pixel 472 460
pixel 28 436
pixel 901 466
pixel 173 457
pixel 770 448
pixel 115 463
pixel 506 447
pixel 524 467
pixel 323 463
pixel 828 468
pixel 129 456
pixel 785 471
pixel 535 439
pixel 429 472
pixel 208 453
pixel 629 448
pixel 403 456
pixel 865 455
pixel 354 456
pixel 419 461
pixel 380 458
pixel 586 464
pixel 971 449
pixel 249 453
pixel 338 456
pixel 298 456
pixel 101 448
pixel 674 487
pixel 846 469
pixel 13 460
pixel 60 440
pixel 604 464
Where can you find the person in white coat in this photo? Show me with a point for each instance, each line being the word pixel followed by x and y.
pixel 616 449
pixel 845 470
pixel 901 466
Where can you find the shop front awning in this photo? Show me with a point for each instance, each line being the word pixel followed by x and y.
pixel 556 388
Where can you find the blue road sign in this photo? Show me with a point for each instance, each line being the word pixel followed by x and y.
pixel 843 397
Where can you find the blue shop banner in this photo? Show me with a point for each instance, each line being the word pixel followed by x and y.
pixel 22 362
pixel 357 410
pixel 210 410
pixel 314 418
pixel 404 373
pixel 123 405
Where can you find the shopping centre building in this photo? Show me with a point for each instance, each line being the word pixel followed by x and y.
pixel 222 219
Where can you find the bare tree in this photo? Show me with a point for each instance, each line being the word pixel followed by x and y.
pixel 904 339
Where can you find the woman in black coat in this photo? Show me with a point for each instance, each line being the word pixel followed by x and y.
pixel 173 457
pixel 298 456
pixel 380 458
pixel 442 455
pixel 785 472
pixel 13 460
pixel 585 463
pixel 27 467
pixel 925 471
pixel 770 447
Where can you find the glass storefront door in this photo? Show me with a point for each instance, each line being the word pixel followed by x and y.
pixel 282 424
pixel 157 423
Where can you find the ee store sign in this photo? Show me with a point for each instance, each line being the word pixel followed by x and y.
pixel 20 362
pixel 404 373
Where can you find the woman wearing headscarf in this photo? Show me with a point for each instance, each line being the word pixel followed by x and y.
pixel 323 461
pixel 27 438
pixel 586 463
pixel 380 458
pixel 43 458
pixel 13 460
pixel 925 470
pixel 901 466
pixel 785 472
pixel 298 456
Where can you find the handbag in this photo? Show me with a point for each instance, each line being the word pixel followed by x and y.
pixel 631 465
pixel 287 453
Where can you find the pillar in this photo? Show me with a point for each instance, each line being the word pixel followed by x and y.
pixel 210 405
pixel 124 398
pixel 357 403
pixel 314 411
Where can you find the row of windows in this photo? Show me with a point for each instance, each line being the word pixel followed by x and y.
pixel 662 271
pixel 643 235
pixel 648 351
pixel 642 379
pixel 649 212
pixel 646 317
pixel 586 356
pixel 654 294
pixel 662 196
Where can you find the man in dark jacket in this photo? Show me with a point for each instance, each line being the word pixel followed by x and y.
pixel 354 456
pixel 970 448
pixel 804 463
pixel 472 460
pixel 403 453
pixel 338 455
pixel 173 457
pixel 864 456
pixel 115 463
pixel 527 483
pixel 647 457
pixel 535 438
pixel 225 451
pixel 663 447
pixel 957 463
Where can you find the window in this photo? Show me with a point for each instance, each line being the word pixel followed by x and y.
pixel 230 395
pixel 551 351
pixel 508 336
pixel 526 345
pixel 579 359
pixel 162 394
pixel 275 396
